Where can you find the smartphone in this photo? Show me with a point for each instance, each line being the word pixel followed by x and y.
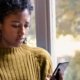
pixel 61 67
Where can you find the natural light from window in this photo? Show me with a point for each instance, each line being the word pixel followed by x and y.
pixel 67 29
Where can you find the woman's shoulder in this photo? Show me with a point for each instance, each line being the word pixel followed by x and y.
pixel 39 53
pixel 42 56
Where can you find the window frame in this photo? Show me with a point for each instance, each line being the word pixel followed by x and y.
pixel 45 29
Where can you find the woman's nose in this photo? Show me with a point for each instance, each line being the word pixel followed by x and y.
pixel 22 30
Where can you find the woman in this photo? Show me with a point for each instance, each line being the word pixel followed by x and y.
pixel 17 60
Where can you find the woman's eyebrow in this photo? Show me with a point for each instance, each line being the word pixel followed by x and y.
pixel 15 21
pixel 20 22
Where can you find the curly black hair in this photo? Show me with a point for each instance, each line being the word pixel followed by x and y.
pixel 7 6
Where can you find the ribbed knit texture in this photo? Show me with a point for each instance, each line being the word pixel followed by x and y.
pixel 21 63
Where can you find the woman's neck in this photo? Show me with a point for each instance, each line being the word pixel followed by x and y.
pixel 3 45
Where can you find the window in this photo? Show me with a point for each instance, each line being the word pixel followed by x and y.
pixel 61 21
pixel 67 29
pixel 58 28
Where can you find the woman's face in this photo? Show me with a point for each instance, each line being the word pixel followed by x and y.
pixel 15 28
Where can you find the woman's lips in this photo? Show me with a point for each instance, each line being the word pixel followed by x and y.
pixel 20 39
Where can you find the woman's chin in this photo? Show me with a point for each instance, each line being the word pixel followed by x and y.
pixel 18 44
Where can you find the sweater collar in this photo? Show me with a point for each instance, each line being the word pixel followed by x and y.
pixel 13 50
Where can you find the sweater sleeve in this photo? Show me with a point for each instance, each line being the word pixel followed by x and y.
pixel 45 63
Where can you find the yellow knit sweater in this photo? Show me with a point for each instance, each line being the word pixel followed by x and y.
pixel 24 63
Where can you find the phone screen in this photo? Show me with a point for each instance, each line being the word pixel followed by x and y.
pixel 62 67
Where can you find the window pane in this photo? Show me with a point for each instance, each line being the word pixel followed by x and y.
pixel 67 29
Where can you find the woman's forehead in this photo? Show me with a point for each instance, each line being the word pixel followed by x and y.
pixel 19 15
pixel 19 12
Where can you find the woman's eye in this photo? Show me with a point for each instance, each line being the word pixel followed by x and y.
pixel 26 25
pixel 19 25
pixel 15 26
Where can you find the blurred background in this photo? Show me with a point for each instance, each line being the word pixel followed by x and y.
pixel 55 26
